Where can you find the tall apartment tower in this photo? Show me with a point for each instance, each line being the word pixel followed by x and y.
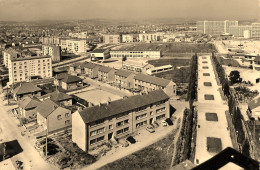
pixel 53 51
pixel 215 27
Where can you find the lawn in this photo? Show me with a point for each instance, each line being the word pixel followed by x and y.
pixel 208 97
pixel 214 144
pixel 228 62
pixel 211 117
pixel 181 75
pixel 174 62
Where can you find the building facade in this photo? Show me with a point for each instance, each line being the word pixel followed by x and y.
pixel 29 67
pixel 106 74
pixel 112 38
pixel 53 51
pixel 238 30
pixel 215 27
pixel 135 54
pixel 95 125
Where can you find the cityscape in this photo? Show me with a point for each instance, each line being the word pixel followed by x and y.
pixel 113 85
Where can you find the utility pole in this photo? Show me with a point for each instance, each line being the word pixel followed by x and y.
pixel 47 131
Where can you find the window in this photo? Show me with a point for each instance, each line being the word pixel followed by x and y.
pixel 160 110
pixel 110 127
pixel 67 115
pixel 59 117
pixel 67 122
pixel 122 123
pixel 151 113
pixel 97 140
pixel 160 117
pixel 98 131
pixel 141 116
pixel 122 131
pixel 141 124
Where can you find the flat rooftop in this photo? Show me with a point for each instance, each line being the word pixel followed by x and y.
pixel 97 96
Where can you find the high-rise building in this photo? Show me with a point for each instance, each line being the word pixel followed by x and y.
pixel 75 46
pixel 8 53
pixel 53 51
pixel 215 27
pixel 255 32
pixel 25 68
pixel 50 40
pixel 112 39
pixel 238 31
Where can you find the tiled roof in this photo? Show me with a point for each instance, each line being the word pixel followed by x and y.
pixel 28 102
pixel 254 103
pixel 58 96
pixel 119 106
pixel 105 69
pixel 67 78
pixel 123 73
pixel 90 65
pixel 24 88
pixel 152 79
pixel 47 107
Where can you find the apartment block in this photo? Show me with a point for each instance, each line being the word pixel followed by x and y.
pixel 26 68
pixel 127 38
pixel 53 51
pixel 8 54
pixel 117 119
pixel 50 40
pixel 238 31
pixel 80 35
pixel 135 54
pixel 147 37
pixel 75 46
pixel 112 38
pixel 255 32
pixel 215 27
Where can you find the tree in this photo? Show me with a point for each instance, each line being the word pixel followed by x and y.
pixel 234 77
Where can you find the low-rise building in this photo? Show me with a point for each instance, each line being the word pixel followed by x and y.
pixel 256 65
pixel 95 125
pixel 91 70
pixel 52 116
pixel 135 53
pixel 106 74
pixel 159 69
pixel 100 54
pixel 147 83
pixel 68 82
pixel 124 79
pixel 27 106
pixel 254 109
pixel 59 97
pixel 21 90
pixel 136 66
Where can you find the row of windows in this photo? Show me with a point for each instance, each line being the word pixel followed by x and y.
pixel 160 110
pixel 160 117
pixel 122 131
pixel 98 131
pixel 97 140
pixel 141 124
pixel 122 123
pixel 141 116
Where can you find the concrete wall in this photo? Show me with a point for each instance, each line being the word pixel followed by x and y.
pixel 79 131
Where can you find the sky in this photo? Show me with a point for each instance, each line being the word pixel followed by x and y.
pixel 29 10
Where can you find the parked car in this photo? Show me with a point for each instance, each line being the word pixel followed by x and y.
pixel 150 129
pixel 131 139
pixel 164 123
pixel 123 142
pixel 169 121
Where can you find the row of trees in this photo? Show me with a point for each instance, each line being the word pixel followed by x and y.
pixel 234 110
pixel 192 89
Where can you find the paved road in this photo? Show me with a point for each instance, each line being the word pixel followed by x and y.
pixel 10 131
pixel 215 129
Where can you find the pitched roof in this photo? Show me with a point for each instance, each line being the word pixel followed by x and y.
pixel 119 106
pixel 254 103
pixel 152 79
pixel 58 96
pixel 47 107
pixel 71 79
pixel 105 69
pixel 99 50
pixel 29 102
pixel 67 78
pixel 24 88
pixel 123 73
pixel 90 65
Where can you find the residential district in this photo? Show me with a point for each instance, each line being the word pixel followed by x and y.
pixel 87 95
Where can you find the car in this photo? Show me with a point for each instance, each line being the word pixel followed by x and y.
pixel 164 123
pixel 123 142
pixel 131 139
pixel 150 129
pixel 169 121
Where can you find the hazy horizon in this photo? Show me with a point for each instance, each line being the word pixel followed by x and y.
pixel 33 10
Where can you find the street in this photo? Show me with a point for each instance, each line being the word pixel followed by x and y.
pixel 10 131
